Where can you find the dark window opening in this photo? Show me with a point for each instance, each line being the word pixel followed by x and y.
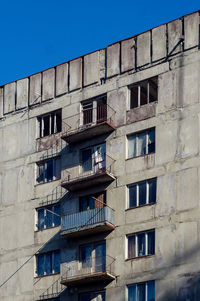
pixel 143 93
pixel 50 123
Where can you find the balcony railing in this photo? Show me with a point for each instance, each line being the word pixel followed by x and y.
pixel 53 291
pixel 87 222
pixel 94 171
pixel 99 268
pixel 89 123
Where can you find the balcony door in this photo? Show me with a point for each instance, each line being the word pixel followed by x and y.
pixel 94 110
pixel 89 202
pixel 93 159
pixel 99 157
pixel 93 257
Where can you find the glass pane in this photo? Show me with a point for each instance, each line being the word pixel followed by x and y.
pixel 131 246
pixel 86 160
pixel 141 144
pixel 153 90
pixel 40 265
pixel 83 204
pixel 134 97
pixel 151 291
pixel 101 296
pixel 49 170
pixel 46 125
pixel 151 141
pixel 100 257
pixel 91 203
pixel 86 256
pixel 56 209
pixel 141 292
pixel 52 123
pixel 40 219
pixel 58 122
pixel 56 267
pixel 57 172
pixel 85 297
pixel 101 109
pixel 49 217
pixel 87 112
pixel 132 146
pixel 132 196
pixel 132 293
pixel 48 263
pixel 152 191
pixel 151 242
pixel 141 244
pixel 142 193
pixel 143 93
pixel 41 173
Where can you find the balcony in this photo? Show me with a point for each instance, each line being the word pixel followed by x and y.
pixel 88 222
pixel 95 269
pixel 90 173
pixel 89 123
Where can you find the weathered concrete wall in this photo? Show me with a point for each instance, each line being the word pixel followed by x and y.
pixel 175 216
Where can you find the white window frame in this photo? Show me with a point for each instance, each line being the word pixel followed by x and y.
pixel 136 244
pixel 136 284
pixel 138 85
pixel 53 261
pixel 137 193
pixel 38 164
pixel 52 115
pixel 93 102
pixel 146 142
pixel 45 214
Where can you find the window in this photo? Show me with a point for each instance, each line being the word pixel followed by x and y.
pixel 143 93
pixel 50 123
pixel 48 217
pixel 98 296
pixel 93 201
pixel 141 244
pixel 48 170
pixel 141 143
pixel 93 256
pixel 94 110
pixel 48 263
pixel 142 193
pixel 93 158
pixel 144 291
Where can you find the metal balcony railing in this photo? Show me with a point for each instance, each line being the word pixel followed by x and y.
pixel 90 172
pixel 53 291
pixel 97 268
pixel 94 121
pixel 88 220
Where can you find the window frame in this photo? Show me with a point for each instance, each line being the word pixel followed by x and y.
pixel 136 249
pixel 44 163
pixel 138 85
pixel 147 144
pixel 137 184
pixel 93 252
pixel 53 116
pixel 92 104
pixel 45 267
pixel 92 294
pixel 136 285
pixel 45 216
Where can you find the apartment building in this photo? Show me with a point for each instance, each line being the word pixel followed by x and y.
pixel 99 173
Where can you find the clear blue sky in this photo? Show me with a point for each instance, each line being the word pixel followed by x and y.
pixel 38 34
